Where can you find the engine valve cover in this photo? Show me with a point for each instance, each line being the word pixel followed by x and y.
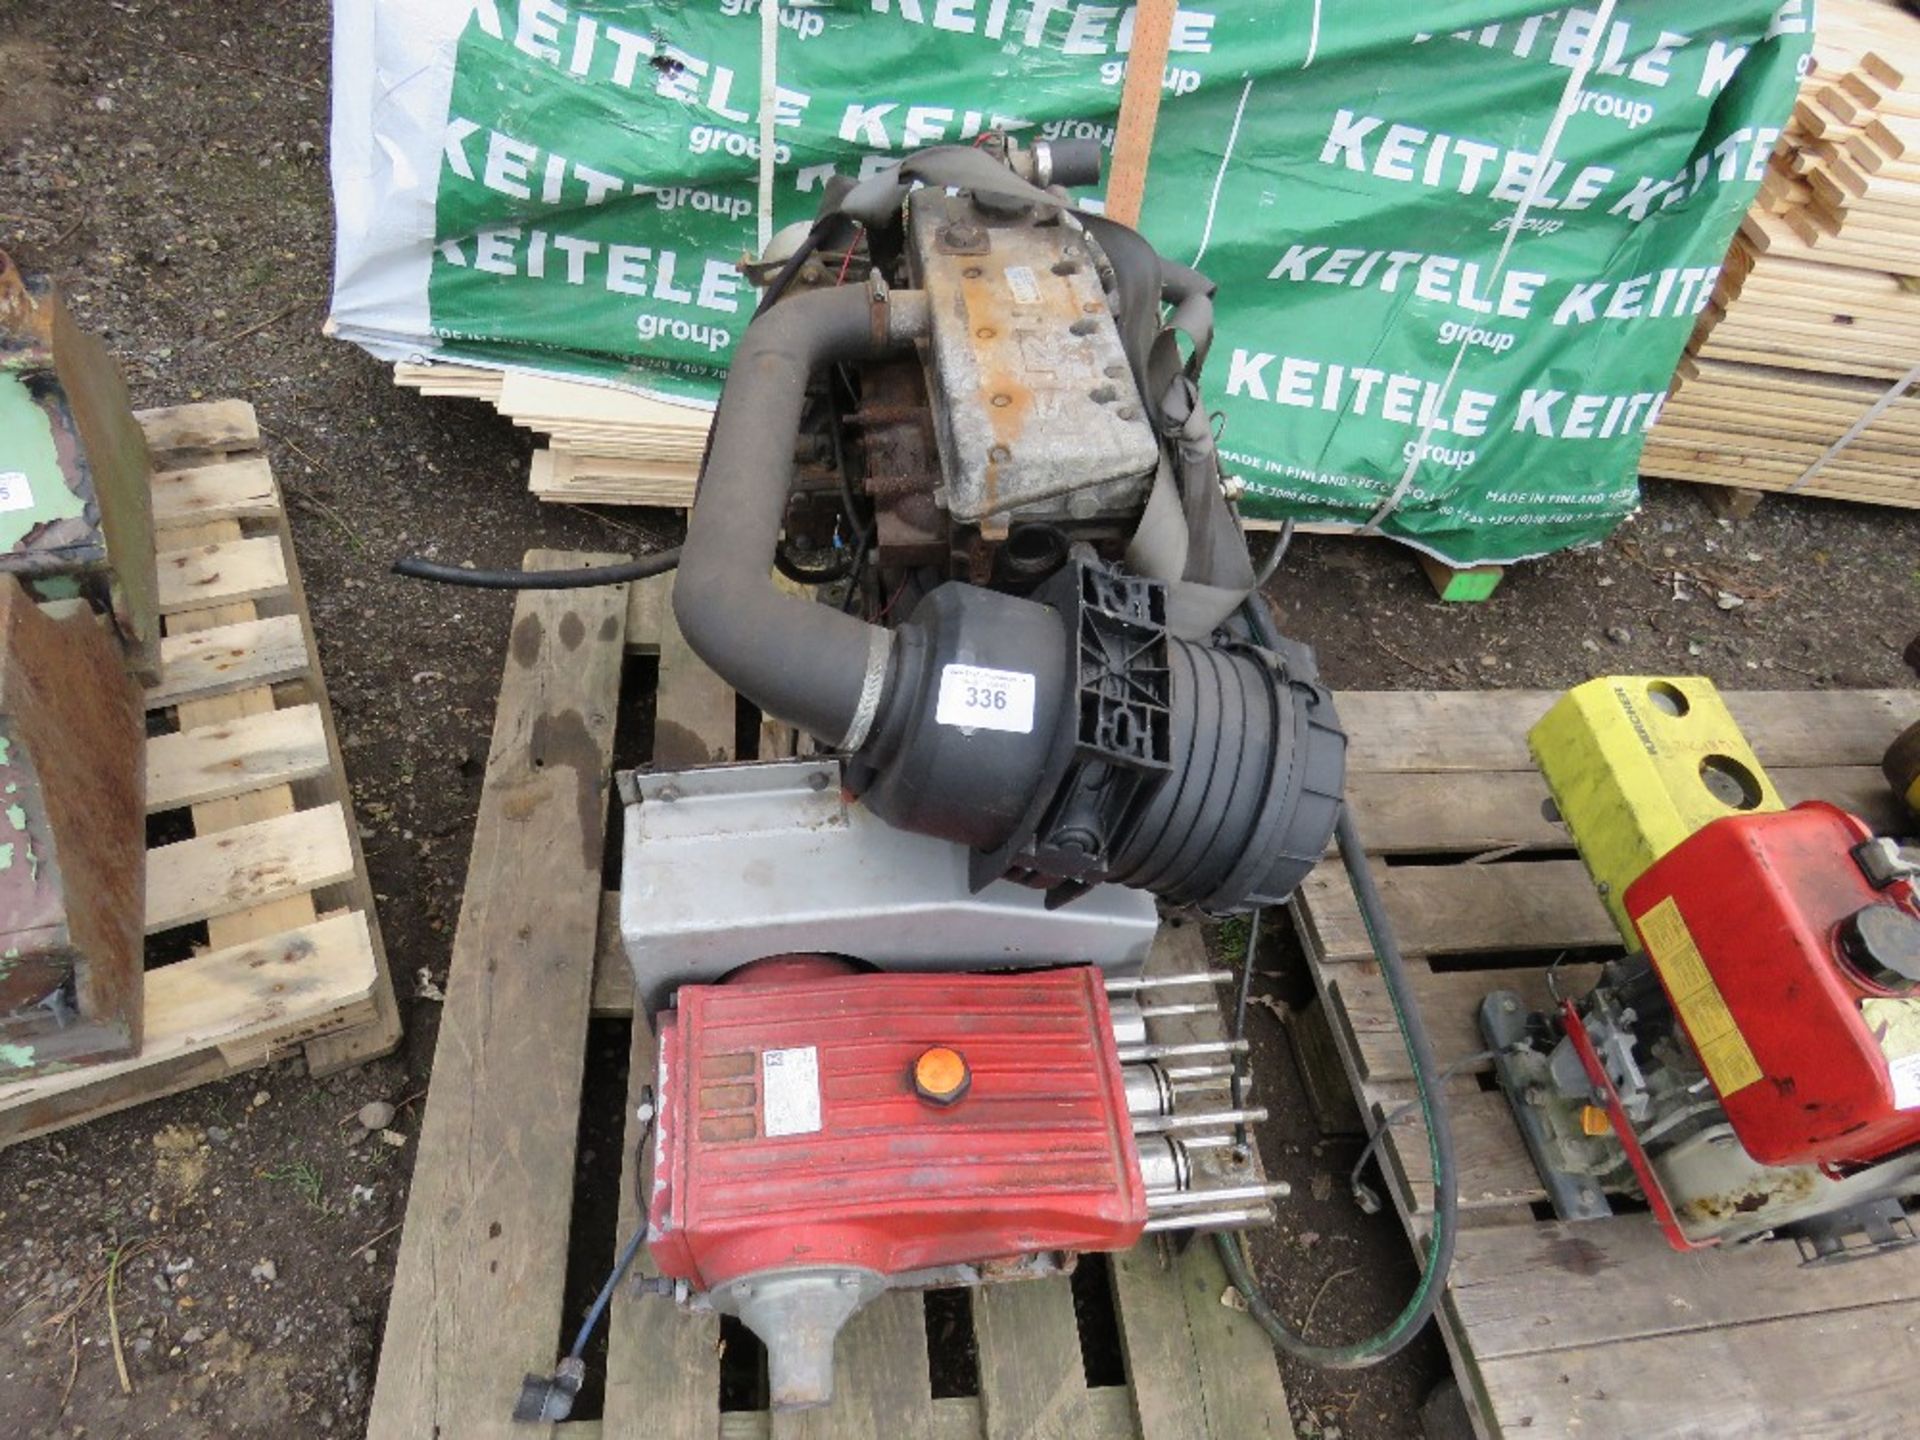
pixel 1038 416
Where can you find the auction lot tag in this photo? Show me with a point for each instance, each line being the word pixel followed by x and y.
pixel 976 698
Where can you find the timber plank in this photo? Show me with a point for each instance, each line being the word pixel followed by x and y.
pixel 478 1290
pixel 213 762
pixel 1438 812
pixel 1836 1376
pixel 217 425
pixel 1464 909
pixel 1510 1287
pixel 228 658
pixel 1449 1004
pixel 1157 1343
pixel 237 489
pixel 1495 1169
pixel 220 573
pixel 255 999
pixel 1033 1384
pixel 882 1385
pixel 248 865
pixel 1240 1385
pixel 1452 730
pixel 663 1363
pixel 688 724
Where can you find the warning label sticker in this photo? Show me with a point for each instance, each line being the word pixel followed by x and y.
pixel 1895 1024
pixel 790 1091
pixel 1723 1049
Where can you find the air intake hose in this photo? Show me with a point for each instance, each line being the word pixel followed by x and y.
pixel 808 664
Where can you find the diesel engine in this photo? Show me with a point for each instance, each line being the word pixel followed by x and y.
pixel 961 522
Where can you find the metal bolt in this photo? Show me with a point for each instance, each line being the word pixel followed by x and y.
pixel 1509 1005
pixel 1002 401
pixel 666 794
pixel 972 272
pixel 818 780
pixel 849 1282
pixel 1000 454
pixel 986 332
pixel 1588 1195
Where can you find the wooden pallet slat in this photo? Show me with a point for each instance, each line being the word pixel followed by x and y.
pixel 477 1291
pixel 249 865
pixel 213 762
pixel 239 489
pixel 221 573
pixel 228 658
pixel 1033 1384
pixel 238 1006
pixel 663 1367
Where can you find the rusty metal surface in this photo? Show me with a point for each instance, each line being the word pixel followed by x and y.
pixel 900 464
pixel 72 841
pixel 1038 416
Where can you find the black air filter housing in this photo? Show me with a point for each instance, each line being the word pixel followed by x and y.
pixel 1210 774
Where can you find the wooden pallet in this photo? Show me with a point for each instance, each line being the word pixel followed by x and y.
pixel 243 744
pixel 477 1297
pixel 1594 1329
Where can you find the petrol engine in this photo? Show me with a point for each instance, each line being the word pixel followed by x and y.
pixel 1752 1067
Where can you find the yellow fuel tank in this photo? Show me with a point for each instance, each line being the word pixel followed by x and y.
pixel 1636 764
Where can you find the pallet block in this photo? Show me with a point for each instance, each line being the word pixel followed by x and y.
pixel 1596 1329
pixel 477 1296
pixel 292 956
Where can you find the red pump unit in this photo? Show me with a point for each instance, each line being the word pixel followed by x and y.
pixel 791 1132
pixel 823 1135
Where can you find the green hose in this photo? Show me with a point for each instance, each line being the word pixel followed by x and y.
pixel 1439 1259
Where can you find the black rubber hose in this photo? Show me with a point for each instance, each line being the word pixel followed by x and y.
pixel 1433 1105
pixel 658 563
pixel 807 664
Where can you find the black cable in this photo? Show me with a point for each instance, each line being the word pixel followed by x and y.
pixel 416 567
pixel 1282 542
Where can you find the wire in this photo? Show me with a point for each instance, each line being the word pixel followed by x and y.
pixel 416 567
pixel 1362 1193
pixel 1282 542
pixel 1235 1082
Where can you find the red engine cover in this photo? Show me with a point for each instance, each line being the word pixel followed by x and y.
pixel 1749 952
pixel 789 1132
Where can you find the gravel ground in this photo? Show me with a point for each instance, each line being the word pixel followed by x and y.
pixel 167 163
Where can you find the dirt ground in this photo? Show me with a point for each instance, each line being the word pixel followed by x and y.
pixel 167 163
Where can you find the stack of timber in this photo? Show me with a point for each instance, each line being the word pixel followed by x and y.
pixel 1801 375
pixel 604 445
